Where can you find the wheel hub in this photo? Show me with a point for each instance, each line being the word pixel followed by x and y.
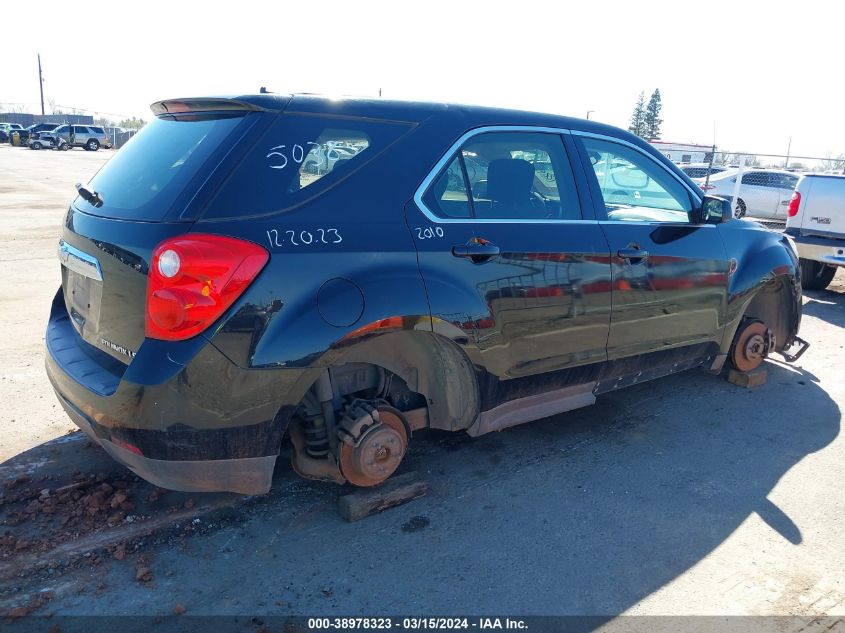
pixel 752 345
pixel 374 441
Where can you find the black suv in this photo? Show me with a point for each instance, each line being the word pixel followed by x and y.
pixel 342 273
pixel 34 129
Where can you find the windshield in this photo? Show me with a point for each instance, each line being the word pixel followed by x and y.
pixel 154 170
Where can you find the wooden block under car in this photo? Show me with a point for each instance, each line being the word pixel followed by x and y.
pixel 748 379
pixel 391 493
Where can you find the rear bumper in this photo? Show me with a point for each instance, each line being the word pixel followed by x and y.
pixel 827 250
pixel 246 475
pixel 181 417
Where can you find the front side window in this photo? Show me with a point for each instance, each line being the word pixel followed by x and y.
pixel 785 181
pixel 509 175
pixel 636 188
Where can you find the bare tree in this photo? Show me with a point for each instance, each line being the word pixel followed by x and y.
pixel 833 164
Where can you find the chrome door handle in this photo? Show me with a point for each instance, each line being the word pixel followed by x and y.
pixel 477 250
pixel 632 255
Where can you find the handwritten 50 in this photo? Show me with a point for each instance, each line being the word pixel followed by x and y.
pixel 278 155
pixel 303 238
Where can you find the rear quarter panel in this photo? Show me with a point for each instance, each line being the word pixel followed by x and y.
pixel 339 263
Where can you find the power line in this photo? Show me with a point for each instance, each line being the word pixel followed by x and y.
pixel 67 107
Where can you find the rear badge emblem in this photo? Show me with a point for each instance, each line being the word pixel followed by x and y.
pixel 118 348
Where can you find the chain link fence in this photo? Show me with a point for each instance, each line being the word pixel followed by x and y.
pixel 760 186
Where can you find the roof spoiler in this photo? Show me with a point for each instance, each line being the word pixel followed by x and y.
pixel 251 103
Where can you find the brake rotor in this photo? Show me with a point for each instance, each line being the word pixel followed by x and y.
pixel 375 454
pixel 751 346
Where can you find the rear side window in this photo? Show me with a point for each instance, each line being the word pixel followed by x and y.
pixel 759 178
pixel 447 196
pixel 299 157
pixel 147 176
pixel 97 130
pixel 510 175
pixel 80 129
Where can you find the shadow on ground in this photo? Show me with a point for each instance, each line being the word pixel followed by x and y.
pixel 585 513
pixel 828 305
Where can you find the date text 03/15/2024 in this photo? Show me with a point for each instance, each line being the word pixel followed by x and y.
pixel 421 623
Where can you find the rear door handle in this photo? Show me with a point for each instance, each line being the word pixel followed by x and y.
pixel 633 255
pixel 478 250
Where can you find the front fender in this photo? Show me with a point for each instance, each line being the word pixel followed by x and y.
pixel 764 264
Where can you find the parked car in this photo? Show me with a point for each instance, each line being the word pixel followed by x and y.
pixel 324 157
pixel 6 129
pixel 764 193
pixel 47 140
pixel 35 128
pixel 89 137
pixel 700 170
pixel 817 224
pixel 216 298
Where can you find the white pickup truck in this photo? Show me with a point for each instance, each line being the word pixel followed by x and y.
pixel 816 221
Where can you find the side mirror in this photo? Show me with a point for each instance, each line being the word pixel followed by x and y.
pixel 713 210
pixel 629 178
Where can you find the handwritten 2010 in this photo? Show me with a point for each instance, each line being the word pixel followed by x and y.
pixel 428 233
pixel 303 238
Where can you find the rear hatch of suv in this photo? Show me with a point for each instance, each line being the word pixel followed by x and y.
pixel 151 190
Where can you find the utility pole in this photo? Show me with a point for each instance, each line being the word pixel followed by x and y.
pixel 41 84
pixel 589 112
pixel 788 148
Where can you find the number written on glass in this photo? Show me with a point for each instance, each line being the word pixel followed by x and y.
pixel 278 155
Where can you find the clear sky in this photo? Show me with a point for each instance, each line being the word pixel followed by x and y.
pixel 760 71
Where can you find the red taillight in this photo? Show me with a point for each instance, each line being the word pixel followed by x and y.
pixel 707 187
pixel 794 203
pixel 193 279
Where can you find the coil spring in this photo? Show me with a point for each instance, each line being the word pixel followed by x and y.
pixel 316 437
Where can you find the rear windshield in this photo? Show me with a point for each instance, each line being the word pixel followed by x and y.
pixel 299 157
pixel 152 171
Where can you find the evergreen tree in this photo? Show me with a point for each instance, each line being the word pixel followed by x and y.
pixel 638 117
pixel 652 120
